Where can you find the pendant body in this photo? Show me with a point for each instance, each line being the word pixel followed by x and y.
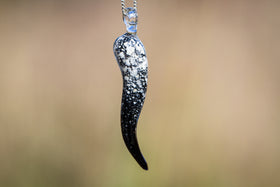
pixel 131 57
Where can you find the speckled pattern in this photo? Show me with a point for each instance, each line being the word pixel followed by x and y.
pixel 131 56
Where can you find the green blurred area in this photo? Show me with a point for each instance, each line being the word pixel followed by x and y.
pixel 211 116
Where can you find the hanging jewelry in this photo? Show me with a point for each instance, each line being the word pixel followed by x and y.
pixel 131 57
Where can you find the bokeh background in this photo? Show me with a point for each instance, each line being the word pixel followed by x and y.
pixel 211 116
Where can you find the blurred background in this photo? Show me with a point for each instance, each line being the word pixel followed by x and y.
pixel 211 116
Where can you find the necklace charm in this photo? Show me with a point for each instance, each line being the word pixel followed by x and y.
pixel 131 57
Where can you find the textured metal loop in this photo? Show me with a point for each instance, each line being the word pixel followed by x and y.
pixel 124 7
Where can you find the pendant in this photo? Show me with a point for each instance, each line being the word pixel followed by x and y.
pixel 131 57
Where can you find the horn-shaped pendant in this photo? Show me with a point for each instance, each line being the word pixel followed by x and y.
pixel 131 56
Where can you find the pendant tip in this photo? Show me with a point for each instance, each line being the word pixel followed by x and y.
pixel 145 166
pixel 142 162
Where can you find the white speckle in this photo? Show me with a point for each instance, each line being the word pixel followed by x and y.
pixel 134 72
pixel 126 44
pixel 126 77
pixel 125 69
pixel 134 90
pixel 121 54
pixel 143 65
pixel 139 83
pixel 130 50
pixel 138 47
pixel 132 61
pixel 127 62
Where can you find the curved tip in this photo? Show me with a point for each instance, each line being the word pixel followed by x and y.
pixel 133 147
pixel 140 159
pixel 137 155
pixel 145 166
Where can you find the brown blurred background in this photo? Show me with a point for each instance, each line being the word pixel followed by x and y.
pixel 211 117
